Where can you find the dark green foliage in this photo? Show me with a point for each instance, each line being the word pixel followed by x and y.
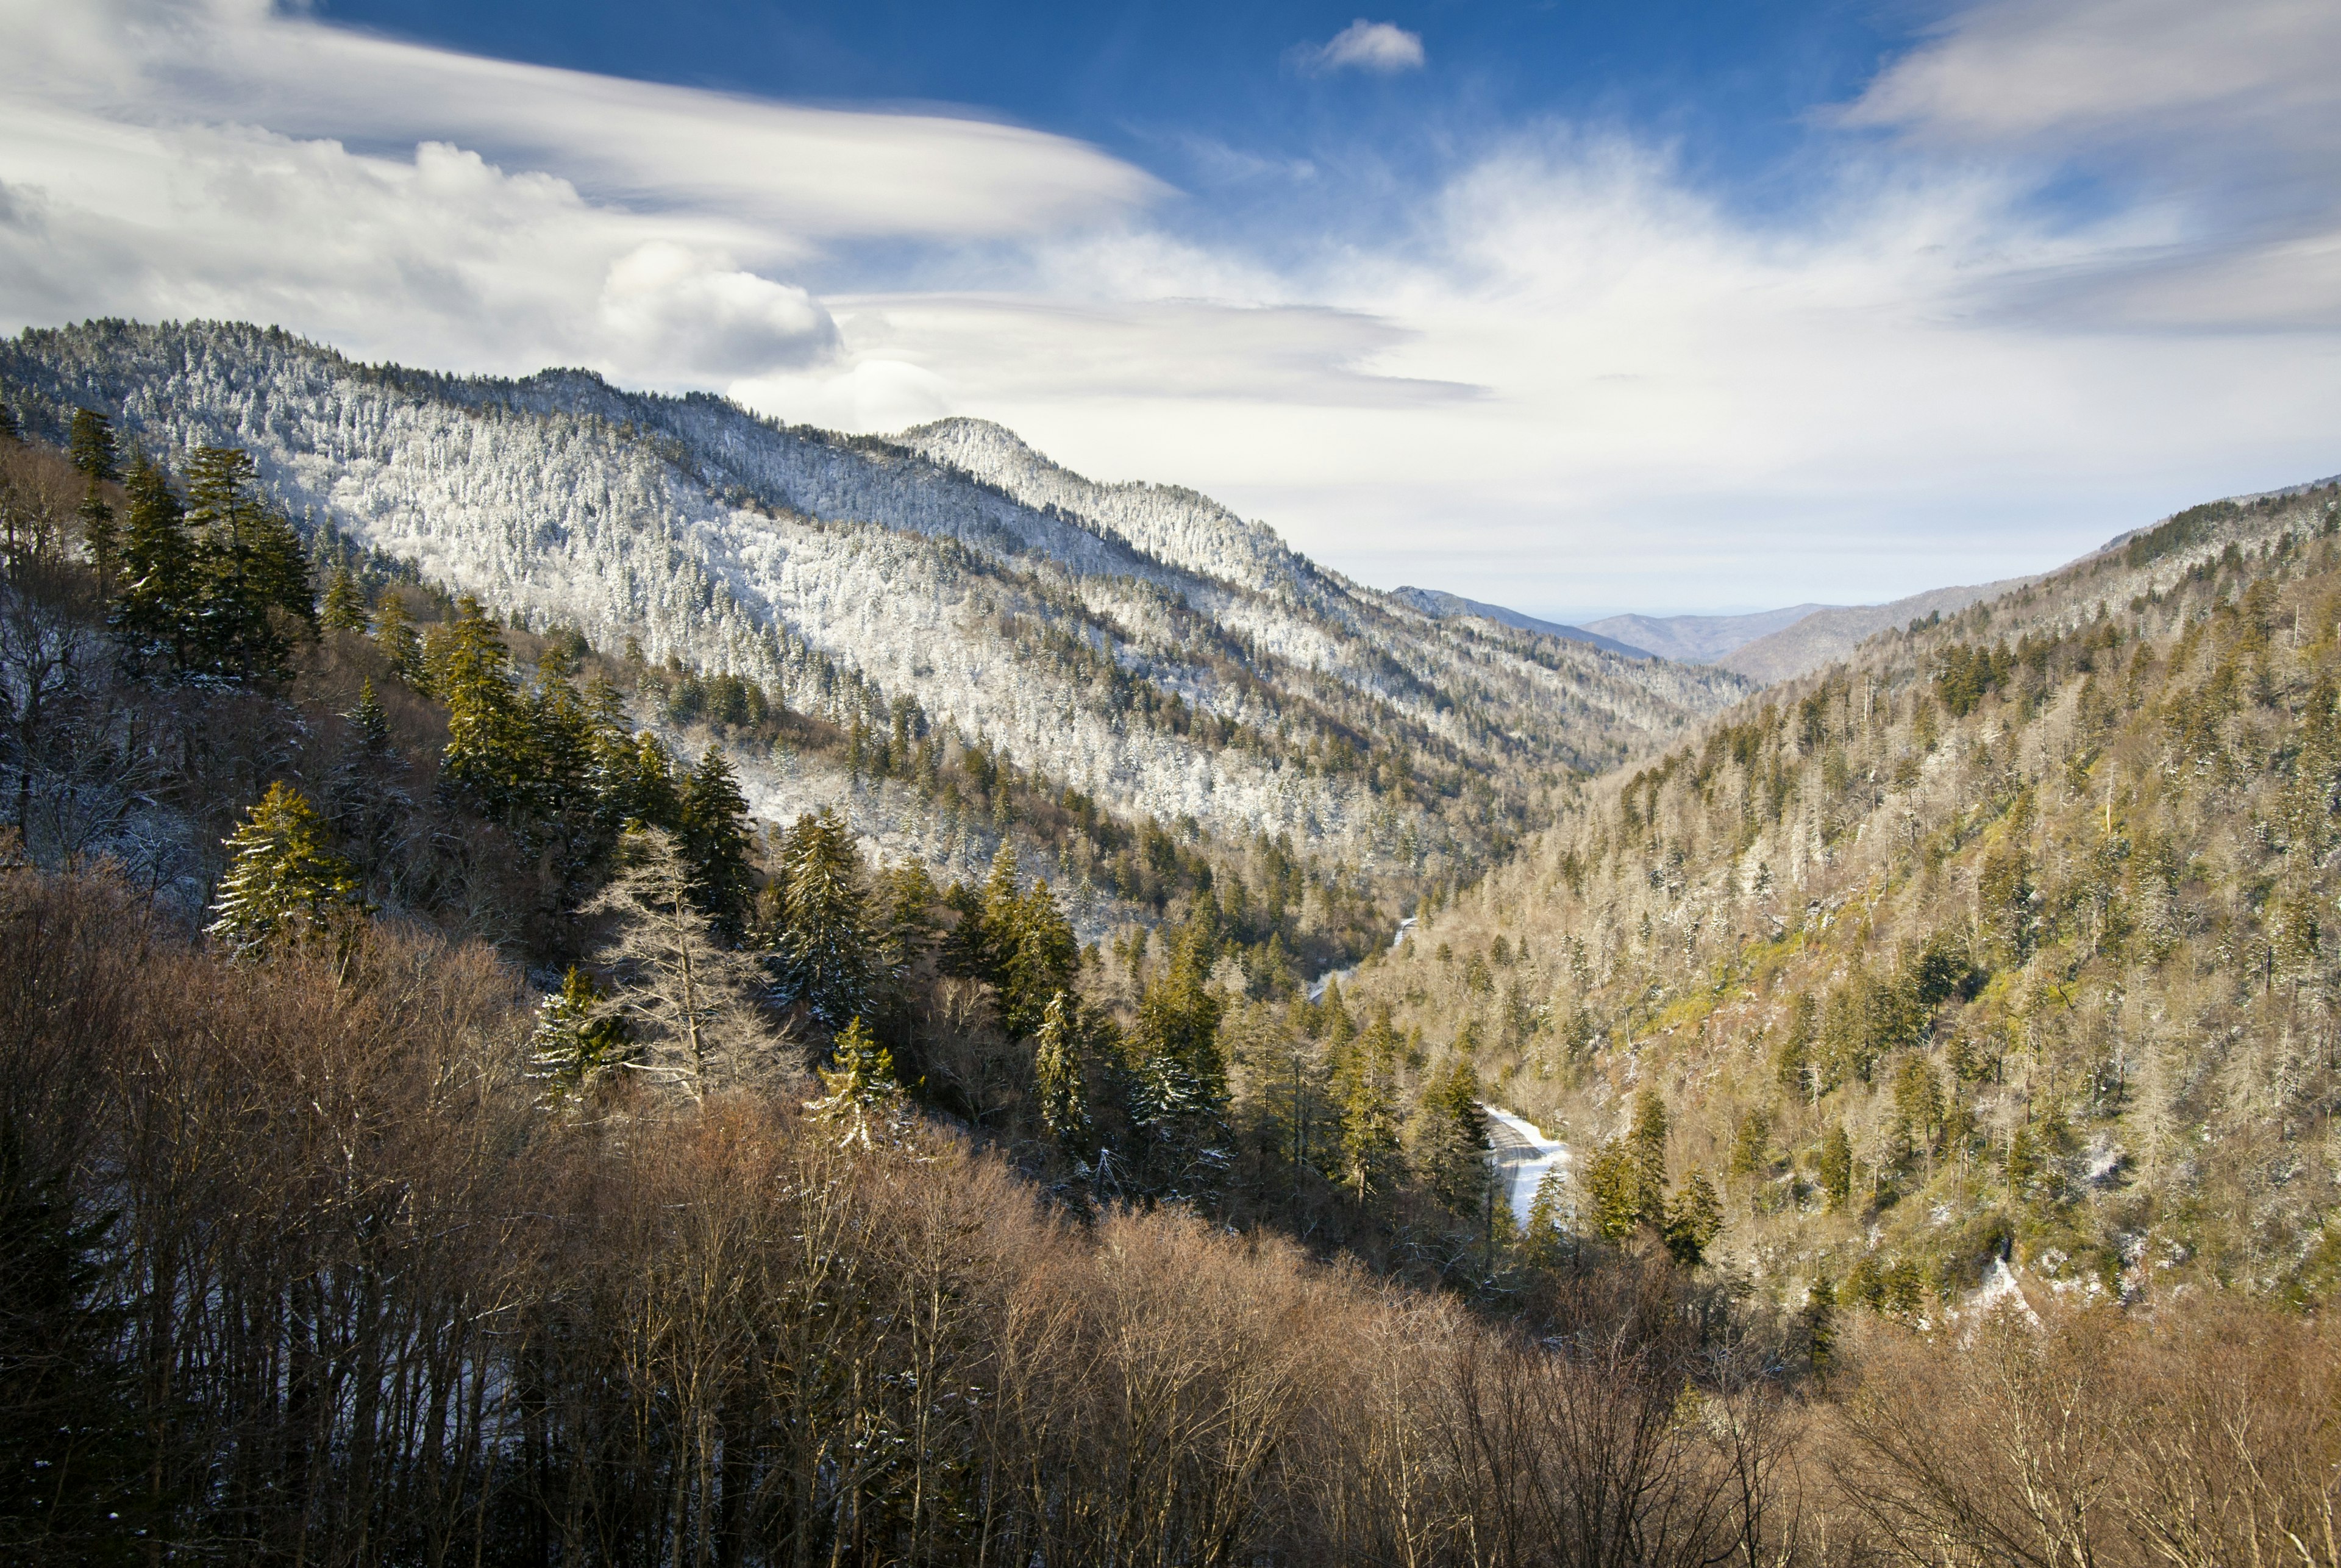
pixel 1694 1218
pixel 1451 1150
pixel 90 444
pixel 70 1480
pixel 1060 1081
pixel 824 948
pixel 1835 1166
pixel 713 817
pixel 209 586
pixel 345 605
pixel 579 1040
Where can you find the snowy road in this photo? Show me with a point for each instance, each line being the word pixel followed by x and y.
pixel 1522 1154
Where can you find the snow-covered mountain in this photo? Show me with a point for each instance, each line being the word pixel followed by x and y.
pixel 1139 643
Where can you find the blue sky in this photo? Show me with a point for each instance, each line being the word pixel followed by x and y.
pixel 1574 308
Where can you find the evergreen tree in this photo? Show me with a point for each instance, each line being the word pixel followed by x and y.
pixel 1041 955
pixel 488 755
pixel 1058 1081
pixel 1648 1141
pixel 89 444
pixel 1177 1037
pixel 1836 1166
pixel 578 1040
pixel 906 915
pixel 248 562
pixel 713 814
pixel 282 878
pixel 1614 1191
pixel 860 1081
pixel 1365 1082
pixel 156 611
pixel 394 634
pixel 824 947
pixel 1452 1138
pixel 91 448
pixel 371 723
pixel 1544 1242
pixel 345 605
pixel 1693 1220
pixel 72 1486
pixel 9 429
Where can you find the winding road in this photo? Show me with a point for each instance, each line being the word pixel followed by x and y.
pixel 1521 1154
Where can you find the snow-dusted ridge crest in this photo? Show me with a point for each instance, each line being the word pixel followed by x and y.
pixel 1017 602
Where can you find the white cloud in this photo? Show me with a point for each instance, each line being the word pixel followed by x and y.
pixel 1384 48
pixel 225 159
pixel 1576 385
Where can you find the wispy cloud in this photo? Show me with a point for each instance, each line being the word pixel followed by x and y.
pixel 1574 383
pixel 1383 48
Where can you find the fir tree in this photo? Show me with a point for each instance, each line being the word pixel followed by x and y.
pixel 713 816
pixel 371 723
pixel 395 635
pixel 487 758
pixel 1452 1138
pixel 1544 1240
pixel 1366 1082
pixel 578 1040
pixel 1058 1084
pixel 824 947
pixel 1836 1166
pixel 1693 1220
pixel 1614 1191
pixel 155 612
pixel 1648 1141
pixel 282 879
pixel 248 562
pixel 90 445
pixel 1040 956
pixel 345 605
pixel 860 1080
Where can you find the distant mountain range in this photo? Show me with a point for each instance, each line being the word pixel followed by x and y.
pixel 1139 643
pixel 1699 639
pixel 1448 606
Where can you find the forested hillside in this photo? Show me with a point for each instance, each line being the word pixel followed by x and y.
pixel 2012 938
pixel 438 1123
pixel 1158 656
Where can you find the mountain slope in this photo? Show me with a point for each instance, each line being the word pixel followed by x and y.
pixel 1446 606
pixel 851 574
pixel 2013 936
pixel 1700 639
pixel 1831 632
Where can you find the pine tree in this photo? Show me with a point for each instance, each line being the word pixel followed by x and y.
pixel 713 814
pixel 1366 1084
pixel 824 947
pixel 90 445
pixel 371 723
pixel 395 635
pixel 1042 956
pixel 1693 1220
pixel 282 879
pixel 578 1041
pixel 1614 1191
pixel 1058 1084
pixel 861 1082
pixel 155 612
pixel 1836 1166
pixel 487 758
pixel 687 1000
pixel 1452 1138
pixel 345 605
